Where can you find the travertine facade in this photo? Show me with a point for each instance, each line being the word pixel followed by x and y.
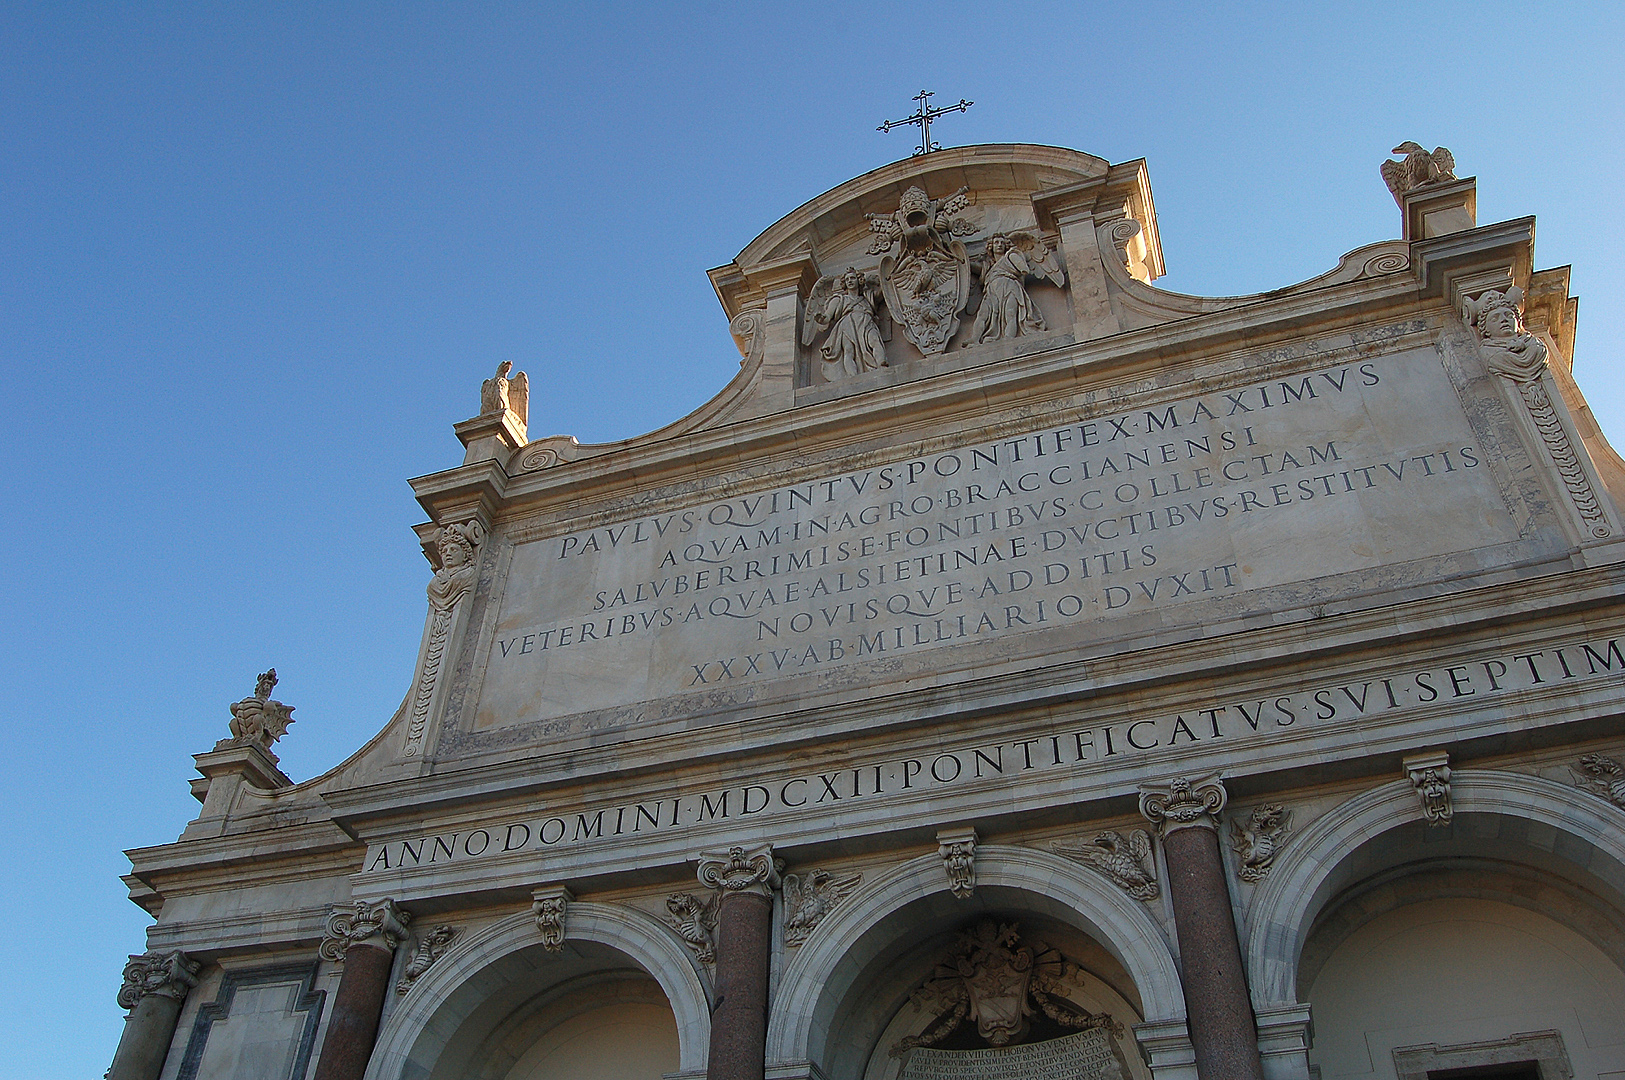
pixel 1016 670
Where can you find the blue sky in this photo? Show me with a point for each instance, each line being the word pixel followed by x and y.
pixel 257 259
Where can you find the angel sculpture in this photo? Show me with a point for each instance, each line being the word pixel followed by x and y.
pixel 1007 310
pixel 810 898
pixel 1417 170
pixel 925 272
pixel 1124 861
pixel 846 308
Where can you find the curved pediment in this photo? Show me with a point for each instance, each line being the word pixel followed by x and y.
pixel 827 302
pixel 997 173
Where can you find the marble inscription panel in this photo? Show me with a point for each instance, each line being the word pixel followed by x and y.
pixel 1088 1055
pixel 1342 470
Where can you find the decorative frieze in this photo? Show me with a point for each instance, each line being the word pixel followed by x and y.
pixel 1602 776
pixel 808 898
pixel 456 547
pixel 1429 774
pixel 550 906
pixel 1126 861
pixel 428 950
pixel 1256 841
pixel 382 922
pixel 958 850
pixel 1182 803
pixel 165 974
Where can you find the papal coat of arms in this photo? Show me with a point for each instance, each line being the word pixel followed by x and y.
pixel 925 272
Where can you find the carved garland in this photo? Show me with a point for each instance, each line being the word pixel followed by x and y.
pixel 457 546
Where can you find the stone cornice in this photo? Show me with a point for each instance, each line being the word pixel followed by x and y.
pixel 253 931
pixel 236 860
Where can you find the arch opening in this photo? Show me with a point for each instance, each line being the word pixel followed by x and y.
pixel 844 1001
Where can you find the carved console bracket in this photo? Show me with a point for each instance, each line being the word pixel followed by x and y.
pixel 1429 774
pixel 1510 351
pixel 1183 804
pixel 381 923
pixel 550 906
pixel 958 850
pixel 430 947
pixel 456 572
pixel 164 974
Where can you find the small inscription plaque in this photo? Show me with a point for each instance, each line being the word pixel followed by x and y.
pixel 1087 1055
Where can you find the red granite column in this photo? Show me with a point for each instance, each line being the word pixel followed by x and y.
pixel 364 939
pixel 1218 1008
pixel 744 943
pixel 155 986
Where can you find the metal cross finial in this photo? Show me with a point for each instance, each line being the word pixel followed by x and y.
pixel 923 118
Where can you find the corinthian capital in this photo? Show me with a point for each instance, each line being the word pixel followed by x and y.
pixel 739 870
pixel 1181 803
pixel 381 923
pixel 164 974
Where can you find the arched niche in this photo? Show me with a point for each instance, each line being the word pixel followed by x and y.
pixel 1463 979
pixel 1513 818
pixel 842 990
pixel 496 994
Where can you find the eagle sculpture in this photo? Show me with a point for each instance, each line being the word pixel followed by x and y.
pixel 1418 168
pixel 1125 861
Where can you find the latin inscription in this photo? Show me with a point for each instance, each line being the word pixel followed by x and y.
pixel 1284 481
pixel 1088 1055
pixel 1240 718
